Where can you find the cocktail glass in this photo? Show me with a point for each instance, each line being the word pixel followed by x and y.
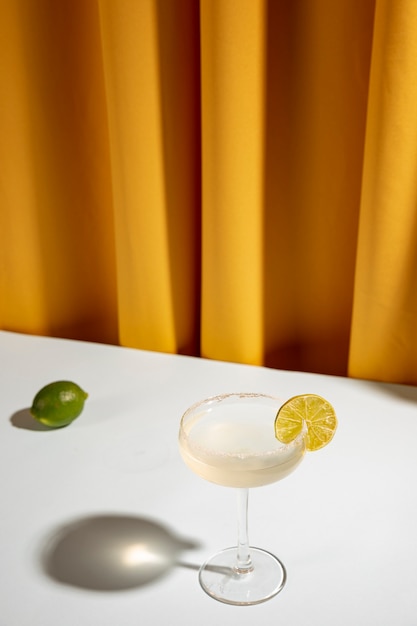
pixel 230 440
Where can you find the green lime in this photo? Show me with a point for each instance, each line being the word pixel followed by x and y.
pixel 58 403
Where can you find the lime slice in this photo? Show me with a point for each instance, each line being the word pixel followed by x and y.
pixel 308 411
pixel 58 403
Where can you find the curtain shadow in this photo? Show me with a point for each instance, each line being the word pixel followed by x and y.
pixel 71 189
pixel 314 140
pixel 178 26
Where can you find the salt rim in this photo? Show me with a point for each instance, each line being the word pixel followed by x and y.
pixel 238 455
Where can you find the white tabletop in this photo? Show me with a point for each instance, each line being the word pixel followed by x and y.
pixel 74 499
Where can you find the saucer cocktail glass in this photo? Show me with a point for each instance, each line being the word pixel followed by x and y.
pixel 230 440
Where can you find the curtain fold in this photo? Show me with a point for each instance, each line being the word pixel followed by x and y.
pixel 224 178
pixel 151 69
pixel 384 329
pixel 233 93
pixel 317 87
pixel 57 256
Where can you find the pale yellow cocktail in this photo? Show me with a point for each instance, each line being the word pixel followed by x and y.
pixel 234 444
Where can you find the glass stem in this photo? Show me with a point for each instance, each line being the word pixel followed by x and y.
pixel 244 563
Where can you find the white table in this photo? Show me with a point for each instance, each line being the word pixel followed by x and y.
pixel 73 500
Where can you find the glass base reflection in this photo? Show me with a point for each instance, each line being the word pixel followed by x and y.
pixel 222 581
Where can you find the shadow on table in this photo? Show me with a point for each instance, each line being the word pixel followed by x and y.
pixel 403 392
pixel 112 553
pixel 24 419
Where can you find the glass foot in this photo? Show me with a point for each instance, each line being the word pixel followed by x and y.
pixel 220 579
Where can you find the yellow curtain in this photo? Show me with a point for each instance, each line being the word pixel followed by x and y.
pixel 233 179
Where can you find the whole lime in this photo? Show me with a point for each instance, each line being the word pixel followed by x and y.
pixel 58 403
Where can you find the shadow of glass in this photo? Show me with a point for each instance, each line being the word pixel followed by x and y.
pixel 111 553
pixel 24 419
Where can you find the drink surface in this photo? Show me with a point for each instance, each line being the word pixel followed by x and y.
pixel 234 444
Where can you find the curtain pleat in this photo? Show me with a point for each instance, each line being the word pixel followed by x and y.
pixel 284 90
pixel 57 270
pixel 384 329
pixel 151 69
pixel 232 87
pixel 224 178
